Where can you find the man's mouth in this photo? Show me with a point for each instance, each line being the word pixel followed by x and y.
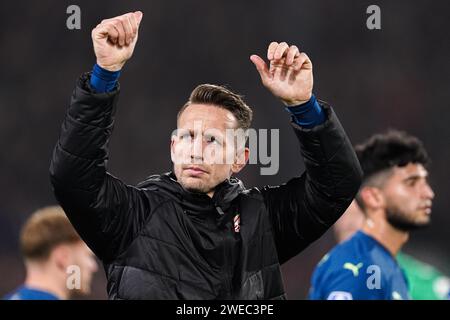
pixel 426 209
pixel 194 171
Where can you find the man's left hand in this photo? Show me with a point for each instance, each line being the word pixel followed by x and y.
pixel 289 76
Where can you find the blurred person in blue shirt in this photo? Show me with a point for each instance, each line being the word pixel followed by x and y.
pixel 59 265
pixel 425 281
pixel 396 198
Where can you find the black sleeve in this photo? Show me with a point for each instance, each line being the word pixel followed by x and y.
pixel 302 209
pixel 105 212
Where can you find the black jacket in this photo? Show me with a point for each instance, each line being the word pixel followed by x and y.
pixel 158 241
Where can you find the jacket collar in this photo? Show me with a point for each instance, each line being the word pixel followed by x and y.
pixel 224 193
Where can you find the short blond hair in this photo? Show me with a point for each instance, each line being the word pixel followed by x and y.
pixel 47 228
pixel 222 97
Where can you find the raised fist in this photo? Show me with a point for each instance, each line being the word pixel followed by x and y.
pixel 114 40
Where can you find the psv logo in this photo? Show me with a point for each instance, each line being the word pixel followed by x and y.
pixel 237 223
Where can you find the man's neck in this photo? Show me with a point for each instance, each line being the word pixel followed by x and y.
pixel 40 278
pixel 390 237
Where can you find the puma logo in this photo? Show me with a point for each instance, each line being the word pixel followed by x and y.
pixel 353 268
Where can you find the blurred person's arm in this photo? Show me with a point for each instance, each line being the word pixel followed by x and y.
pixel 106 213
pixel 302 209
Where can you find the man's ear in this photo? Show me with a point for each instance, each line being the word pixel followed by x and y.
pixel 61 255
pixel 173 141
pixel 241 160
pixel 372 197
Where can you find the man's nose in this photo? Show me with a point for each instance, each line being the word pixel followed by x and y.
pixel 197 149
pixel 428 192
pixel 94 265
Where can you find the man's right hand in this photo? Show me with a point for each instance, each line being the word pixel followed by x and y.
pixel 114 40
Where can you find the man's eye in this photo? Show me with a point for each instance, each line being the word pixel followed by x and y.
pixel 211 139
pixel 411 183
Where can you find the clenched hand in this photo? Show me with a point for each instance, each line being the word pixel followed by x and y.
pixel 114 40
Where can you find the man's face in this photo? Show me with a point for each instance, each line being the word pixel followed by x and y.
pixel 84 258
pixel 408 197
pixel 202 152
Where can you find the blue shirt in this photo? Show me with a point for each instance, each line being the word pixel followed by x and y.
pixel 359 269
pixel 27 293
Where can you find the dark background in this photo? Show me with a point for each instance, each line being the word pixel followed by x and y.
pixel 396 77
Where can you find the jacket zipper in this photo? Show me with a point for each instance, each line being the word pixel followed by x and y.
pixel 229 264
pixel 228 242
